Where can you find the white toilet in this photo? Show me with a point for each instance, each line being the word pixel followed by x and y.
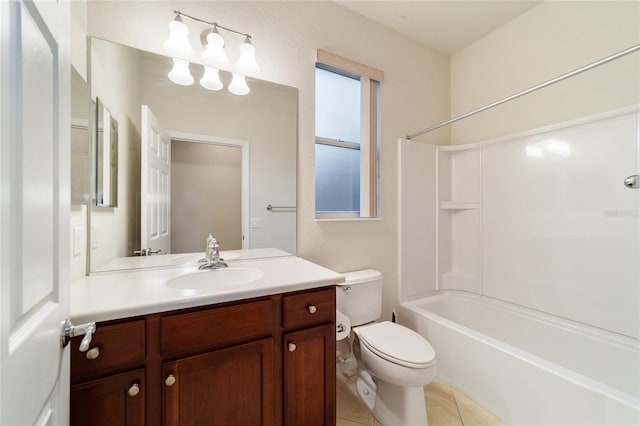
pixel 394 362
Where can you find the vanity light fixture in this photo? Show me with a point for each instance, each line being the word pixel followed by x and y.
pixel 211 79
pixel 238 85
pixel 177 45
pixel 214 56
pixel 247 64
pixel 180 74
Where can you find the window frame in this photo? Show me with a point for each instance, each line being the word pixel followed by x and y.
pixel 369 146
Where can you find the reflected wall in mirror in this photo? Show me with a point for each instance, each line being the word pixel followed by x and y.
pixel 196 167
pixel 266 120
pixel 106 156
pixel 80 140
pixel 80 174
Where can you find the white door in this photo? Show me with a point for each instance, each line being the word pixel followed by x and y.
pixel 34 211
pixel 155 199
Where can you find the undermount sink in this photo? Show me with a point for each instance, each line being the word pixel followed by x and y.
pixel 211 278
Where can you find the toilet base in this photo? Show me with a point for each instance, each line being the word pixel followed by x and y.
pixel 367 389
pixel 392 405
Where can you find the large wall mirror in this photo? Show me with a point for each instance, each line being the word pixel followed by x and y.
pixel 230 158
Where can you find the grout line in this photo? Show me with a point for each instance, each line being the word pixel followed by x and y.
pixel 457 407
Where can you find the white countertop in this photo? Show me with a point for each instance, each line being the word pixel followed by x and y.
pixel 123 294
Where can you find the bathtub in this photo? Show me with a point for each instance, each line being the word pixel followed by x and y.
pixel 527 367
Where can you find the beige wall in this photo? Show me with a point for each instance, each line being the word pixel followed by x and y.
pixel 206 188
pixel 551 39
pixel 286 35
pixel 78 40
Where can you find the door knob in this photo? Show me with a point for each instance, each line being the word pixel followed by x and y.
pixel 292 347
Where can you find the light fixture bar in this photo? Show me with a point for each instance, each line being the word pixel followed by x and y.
pixel 213 24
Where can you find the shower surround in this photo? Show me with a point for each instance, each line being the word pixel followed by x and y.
pixel 519 261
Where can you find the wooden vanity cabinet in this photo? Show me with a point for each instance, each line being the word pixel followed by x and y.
pixel 266 361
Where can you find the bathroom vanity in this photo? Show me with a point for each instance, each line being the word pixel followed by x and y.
pixel 261 353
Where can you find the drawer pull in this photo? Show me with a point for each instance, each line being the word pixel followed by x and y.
pixel 170 380
pixel 292 347
pixel 134 390
pixel 93 353
pixel 312 309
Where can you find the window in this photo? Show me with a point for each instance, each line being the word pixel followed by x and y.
pixel 346 138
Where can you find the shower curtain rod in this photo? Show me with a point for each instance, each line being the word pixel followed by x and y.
pixel 529 90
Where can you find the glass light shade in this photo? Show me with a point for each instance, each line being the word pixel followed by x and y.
pixel 177 45
pixel 238 85
pixel 214 54
pixel 247 64
pixel 180 74
pixel 211 79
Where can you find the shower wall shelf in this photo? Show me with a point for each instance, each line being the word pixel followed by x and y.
pixel 459 217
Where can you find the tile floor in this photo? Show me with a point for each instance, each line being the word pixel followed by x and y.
pixel 446 406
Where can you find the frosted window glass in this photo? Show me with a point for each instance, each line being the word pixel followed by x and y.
pixel 337 179
pixel 337 106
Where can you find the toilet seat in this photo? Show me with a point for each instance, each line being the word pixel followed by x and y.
pixel 396 344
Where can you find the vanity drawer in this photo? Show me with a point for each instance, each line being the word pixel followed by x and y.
pixel 113 347
pixel 216 327
pixel 315 307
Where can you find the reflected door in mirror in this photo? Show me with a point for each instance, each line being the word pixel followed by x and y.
pixel 155 200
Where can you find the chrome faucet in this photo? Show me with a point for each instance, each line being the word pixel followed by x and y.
pixel 212 259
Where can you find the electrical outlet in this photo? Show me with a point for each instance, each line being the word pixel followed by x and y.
pixel 256 222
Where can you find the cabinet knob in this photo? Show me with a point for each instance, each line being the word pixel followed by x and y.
pixel 93 353
pixel 292 346
pixel 170 380
pixel 312 309
pixel 134 390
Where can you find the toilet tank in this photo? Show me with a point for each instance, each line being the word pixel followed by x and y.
pixel 360 296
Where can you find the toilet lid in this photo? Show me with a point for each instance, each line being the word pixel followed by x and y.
pixel 397 344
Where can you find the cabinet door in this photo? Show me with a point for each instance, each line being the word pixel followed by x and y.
pixel 232 386
pixel 114 400
pixel 310 376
